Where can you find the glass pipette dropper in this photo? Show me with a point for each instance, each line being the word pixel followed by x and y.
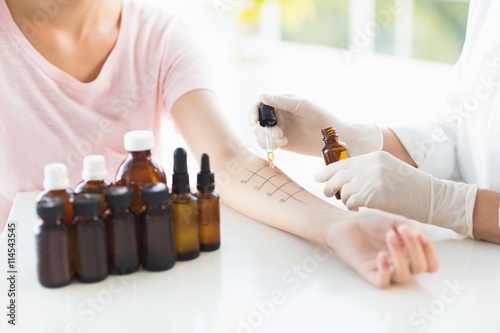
pixel 269 146
pixel 267 119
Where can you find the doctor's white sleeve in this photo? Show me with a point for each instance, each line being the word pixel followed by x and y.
pixel 432 146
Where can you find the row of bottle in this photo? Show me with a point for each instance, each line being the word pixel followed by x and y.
pixel 141 221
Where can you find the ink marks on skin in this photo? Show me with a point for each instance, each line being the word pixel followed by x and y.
pixel 274 183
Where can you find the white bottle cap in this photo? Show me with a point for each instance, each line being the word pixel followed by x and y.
pixel 94 167
pixel 55 177
pixel 139 140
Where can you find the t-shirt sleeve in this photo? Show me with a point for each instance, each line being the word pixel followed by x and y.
pixel 185 66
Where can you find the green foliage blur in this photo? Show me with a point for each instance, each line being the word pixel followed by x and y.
pixel 438 29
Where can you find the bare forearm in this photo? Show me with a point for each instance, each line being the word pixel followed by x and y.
pixel 245 181
pixel 485 216
pixel 393 146
pixel 266 194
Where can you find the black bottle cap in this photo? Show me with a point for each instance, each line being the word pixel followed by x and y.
pixel 267 116
pixel 87 204
pixel 180 178
pixel 50 209
pixel 205 178
pixel 155 193
pixel 119 196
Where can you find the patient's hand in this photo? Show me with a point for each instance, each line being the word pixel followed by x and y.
pixel 383 248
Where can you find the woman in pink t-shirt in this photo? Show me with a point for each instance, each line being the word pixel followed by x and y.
pixel 76 75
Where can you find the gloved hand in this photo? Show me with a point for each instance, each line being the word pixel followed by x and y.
pixel 380 180
pixel 300 123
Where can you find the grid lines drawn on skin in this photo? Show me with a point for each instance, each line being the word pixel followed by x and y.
pixel 285 187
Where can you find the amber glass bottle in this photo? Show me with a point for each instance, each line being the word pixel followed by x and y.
pixel 139 167
pixel 158 250
pixel 94 178
pixel 334 150
pixel 89 238
pixel 121 231
pixel 208 207
pixel 185 206
pixel 56 185
pixel 52 243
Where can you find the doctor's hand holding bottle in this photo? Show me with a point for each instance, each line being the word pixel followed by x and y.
pixel 300 123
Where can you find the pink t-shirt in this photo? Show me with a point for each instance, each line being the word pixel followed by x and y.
pixel 48 116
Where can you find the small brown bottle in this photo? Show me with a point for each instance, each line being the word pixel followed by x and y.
pixel 94 178
pixel 139 167
pixel 121 230
pixel 56 185
pixel 334 150
pixel 158 250
pixel 52 242
pixel 185 206
pixel 89 239
pixel 208 207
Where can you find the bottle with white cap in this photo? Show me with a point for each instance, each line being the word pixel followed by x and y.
pixel 56 185
pixel 94 178
pixel 139 167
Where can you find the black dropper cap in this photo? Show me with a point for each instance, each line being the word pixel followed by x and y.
pixel 180 178
pixel 205 178
pixel 50 209
pixel 267 116
pixel 120 197
pixel 155 193
pixel 87 204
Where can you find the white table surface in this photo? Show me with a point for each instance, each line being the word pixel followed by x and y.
pixel 261 280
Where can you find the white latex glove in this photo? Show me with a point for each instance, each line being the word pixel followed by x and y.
pixel 380 180
pixel 300 123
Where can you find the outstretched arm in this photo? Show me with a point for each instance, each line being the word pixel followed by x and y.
pixel 266 194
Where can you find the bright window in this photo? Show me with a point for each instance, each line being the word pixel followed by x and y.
pixel 423 29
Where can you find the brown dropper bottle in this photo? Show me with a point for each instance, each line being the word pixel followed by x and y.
pixel 88 235
pixel 94 178
pixel 185 207
pixel 52 243
pixel 139 167
pixel 121 231
pixel 208 207
pixel 334 149
pixel 56 185
pixel 158 251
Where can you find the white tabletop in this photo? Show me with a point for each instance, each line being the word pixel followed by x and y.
pixel 261 280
